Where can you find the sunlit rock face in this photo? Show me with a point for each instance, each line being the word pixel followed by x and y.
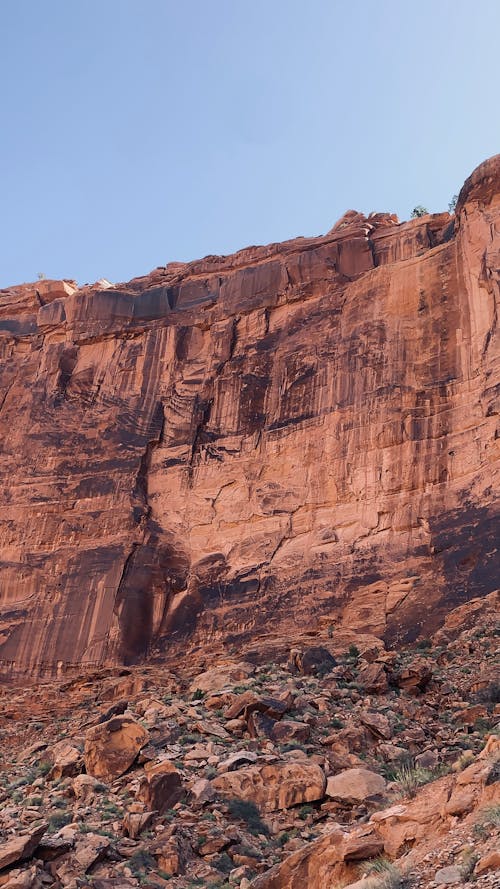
pixel 241 445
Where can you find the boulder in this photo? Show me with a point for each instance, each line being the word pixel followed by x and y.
pixel 373 679
pixel 313 661
pixel 362 843
pixel 67 761
pixel 415 677
pixel 274 786
pixel 84 787
pixel 222 676
pixel 161 787
pixel 111 747
pixel 21 847
pixel 316 865
pixel 355 786
pixel 489 861
pixel 448 876
pixel 290 730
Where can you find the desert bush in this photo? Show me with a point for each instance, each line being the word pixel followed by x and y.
pixel 409 776
pixel 248 812
pixel 387 875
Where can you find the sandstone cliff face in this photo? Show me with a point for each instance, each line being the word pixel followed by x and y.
pixel 252 443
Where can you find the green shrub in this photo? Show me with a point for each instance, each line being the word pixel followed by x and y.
pixel 59 820
pixel 248 812
pixel 141 861
pixel 388 876
pixel 223 863
pixel 408 776
pixel 306 810
pixel 419 211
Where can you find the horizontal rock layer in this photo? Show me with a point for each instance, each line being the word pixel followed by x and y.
pixel 250 443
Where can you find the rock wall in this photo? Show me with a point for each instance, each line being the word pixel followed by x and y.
pixel 248 444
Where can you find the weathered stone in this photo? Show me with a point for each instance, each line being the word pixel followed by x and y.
pixel 111 747
pixel 373 679
pixel 315 866
pixel 448 876
pixel 415 677
pixel 490 861
pixel 135 822
pixel 355 785
pixel 362 843
pixel 161 786
pixel 273 787
pixel 290 730
pixel 359 369
pixel 21 847
pixel 84 787
pixel 68 761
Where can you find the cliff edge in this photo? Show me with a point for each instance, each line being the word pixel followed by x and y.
pixel 294 434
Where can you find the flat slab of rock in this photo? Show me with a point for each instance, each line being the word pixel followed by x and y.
pixel 21 847
pixel 274 786
pixel 237 759
pixel 111 747
pixel 222 676
pixel 448 876
pixel 355 785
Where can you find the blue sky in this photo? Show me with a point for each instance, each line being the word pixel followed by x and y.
pixel 137 132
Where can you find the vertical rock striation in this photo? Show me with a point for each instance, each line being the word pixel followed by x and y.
pixel 251 442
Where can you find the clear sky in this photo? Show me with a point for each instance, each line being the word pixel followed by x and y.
pixel 137 132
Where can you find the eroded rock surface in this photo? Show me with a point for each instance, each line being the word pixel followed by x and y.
pixel 112 746
pixel 297 431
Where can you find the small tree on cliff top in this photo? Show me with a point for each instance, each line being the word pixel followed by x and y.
pixel 419 211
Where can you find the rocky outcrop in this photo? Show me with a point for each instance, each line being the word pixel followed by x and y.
pixel 272 787
pixel 254 442
pixel 111 747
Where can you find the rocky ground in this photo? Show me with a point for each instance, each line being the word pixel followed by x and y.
pixel 321 761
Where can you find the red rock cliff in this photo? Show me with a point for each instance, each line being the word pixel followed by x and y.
pixel 253 442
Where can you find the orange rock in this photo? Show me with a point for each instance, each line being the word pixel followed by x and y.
pixel 355 785
pixel 161 786
pixel 316 865
pixel 111 747
pixel 490 861
pixel 20 847
pixel 313 422
pixel 273 787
